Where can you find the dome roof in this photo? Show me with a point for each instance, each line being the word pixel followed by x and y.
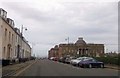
pixel 80 41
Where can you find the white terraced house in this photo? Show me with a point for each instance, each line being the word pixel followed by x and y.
pixel 13 45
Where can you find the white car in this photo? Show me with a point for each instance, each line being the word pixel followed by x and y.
pixel 75 62
pixel 52 58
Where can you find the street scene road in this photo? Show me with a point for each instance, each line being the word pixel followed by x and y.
pixel 54 68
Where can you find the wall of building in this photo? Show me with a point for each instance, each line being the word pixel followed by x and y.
pixel 96 49
pixel 66 49
pixel 81 48
pixel 8 41
pixel 0 39
pixel 12 44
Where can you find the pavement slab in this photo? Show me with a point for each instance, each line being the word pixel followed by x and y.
pixel 12 69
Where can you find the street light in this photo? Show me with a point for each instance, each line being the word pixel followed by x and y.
pixel 22 50
pixel 22 27
pixel 68 46
pixel 33 44
pixel 67 40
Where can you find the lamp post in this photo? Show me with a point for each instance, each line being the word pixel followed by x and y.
pixel 67 40
pixel 22 28
pixel 22 50
pixel 33 44
pixel 68 46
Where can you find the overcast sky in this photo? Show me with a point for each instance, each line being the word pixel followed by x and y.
pixel 50 22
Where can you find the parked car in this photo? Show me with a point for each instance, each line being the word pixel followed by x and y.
pixel 52 58
pixel 75 62
pixel 62 59
pixel 91 62
pixel 68 59
pixel 55 59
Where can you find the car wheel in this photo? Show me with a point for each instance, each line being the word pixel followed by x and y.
pixel 90 66
pixel 83 66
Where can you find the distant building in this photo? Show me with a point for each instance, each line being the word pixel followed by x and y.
pixel 79 48
pixel 12 43
pixel 53 52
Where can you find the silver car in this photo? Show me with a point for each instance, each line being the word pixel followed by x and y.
pixel 75 62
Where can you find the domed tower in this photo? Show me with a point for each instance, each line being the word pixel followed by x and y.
pixel 80 41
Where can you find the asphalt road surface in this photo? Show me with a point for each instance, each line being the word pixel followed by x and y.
pixel 52 68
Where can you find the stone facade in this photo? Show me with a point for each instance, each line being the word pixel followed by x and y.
pixel 80 48
pixel 12 43
pixel 53 52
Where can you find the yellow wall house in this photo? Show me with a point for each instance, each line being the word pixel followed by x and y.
pixel 13 45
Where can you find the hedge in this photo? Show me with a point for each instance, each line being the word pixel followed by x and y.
pixel 109 60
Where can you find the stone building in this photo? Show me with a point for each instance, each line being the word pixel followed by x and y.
pixel 12 43
pixel 79 48
pixel 53 52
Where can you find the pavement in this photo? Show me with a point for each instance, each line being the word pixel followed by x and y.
pixel 112 66
pixel 10 70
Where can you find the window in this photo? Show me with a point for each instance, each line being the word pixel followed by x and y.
pixel 1 13
pixel 5 33
pixel 72 51
pixel 4 52
pixel 16 38
pixel 12 38
pixel 9 35
pixel 15 50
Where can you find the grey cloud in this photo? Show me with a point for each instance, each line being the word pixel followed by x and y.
pixel 95 22
pixel 28 12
